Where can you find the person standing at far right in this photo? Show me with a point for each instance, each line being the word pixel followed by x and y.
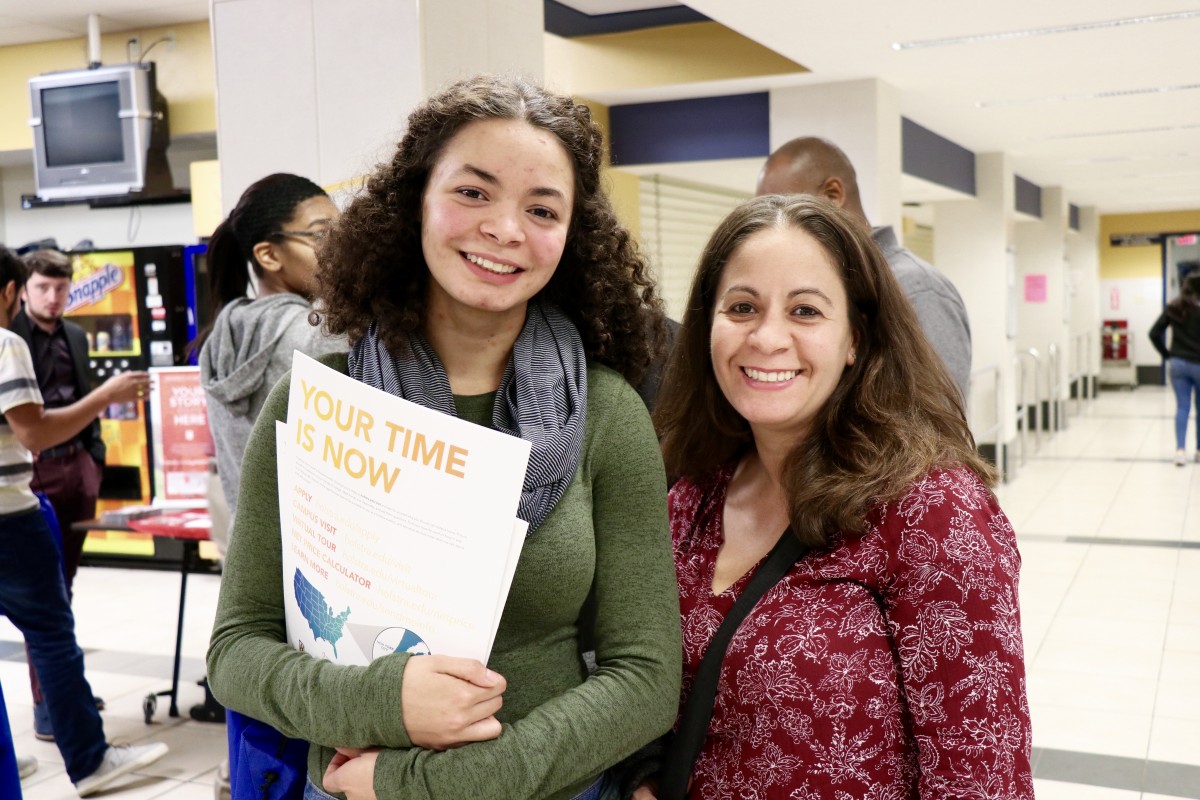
pixel 1182 357
pixel 809 165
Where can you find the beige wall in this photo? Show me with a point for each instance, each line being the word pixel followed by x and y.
pixel 699 51
pixel 1118 263
pixel 622 186
pixel 185 76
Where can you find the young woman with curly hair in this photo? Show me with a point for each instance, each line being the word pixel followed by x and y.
pixel 482 273
pixel 803 400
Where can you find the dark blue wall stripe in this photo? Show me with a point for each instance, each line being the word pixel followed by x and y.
pixel 567 22
pixel 935 158
pixel 702 129
pixel 1073 216
pixel 1028 197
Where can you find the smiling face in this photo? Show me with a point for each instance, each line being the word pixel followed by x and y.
pixel 781 335
pixel 494 219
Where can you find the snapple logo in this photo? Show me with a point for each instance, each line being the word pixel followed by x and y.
pixel 93 288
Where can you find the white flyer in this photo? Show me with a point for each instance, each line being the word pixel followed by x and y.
pixel 398 523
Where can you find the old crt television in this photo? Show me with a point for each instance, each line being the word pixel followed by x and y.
pixel 98 132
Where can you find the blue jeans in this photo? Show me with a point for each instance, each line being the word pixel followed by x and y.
pixel 1185 380
pixel 605 788
pixel 34 595
pixel 314 792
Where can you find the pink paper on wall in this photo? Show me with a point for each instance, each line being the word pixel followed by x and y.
pixel 1035 288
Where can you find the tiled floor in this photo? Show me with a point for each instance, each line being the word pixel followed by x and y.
pixel 125 621
pixel 1109 530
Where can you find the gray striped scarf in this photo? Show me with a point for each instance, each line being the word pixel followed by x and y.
pixel 542 397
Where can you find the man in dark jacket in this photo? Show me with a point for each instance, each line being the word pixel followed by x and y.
pixel 68 474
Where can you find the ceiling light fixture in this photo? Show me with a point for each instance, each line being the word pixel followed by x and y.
pixel 1124 132
pixel 1078 27
pixel 1073 98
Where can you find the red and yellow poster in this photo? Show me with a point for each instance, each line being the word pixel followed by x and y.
pixel 182 443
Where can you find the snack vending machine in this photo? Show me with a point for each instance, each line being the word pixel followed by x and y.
pixel 1117 366
pixel 132 304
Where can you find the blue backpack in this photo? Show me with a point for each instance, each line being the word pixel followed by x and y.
pixel 263 763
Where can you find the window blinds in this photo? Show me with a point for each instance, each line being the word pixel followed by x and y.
pixel 677 218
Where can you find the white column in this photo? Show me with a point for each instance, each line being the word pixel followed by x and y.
pixel 460 38
pixel 972 246
pixel 1083 272
pixel 860 117
pixel 1043 316
pixel 322 88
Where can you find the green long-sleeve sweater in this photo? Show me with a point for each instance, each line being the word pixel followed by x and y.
pixel 607 536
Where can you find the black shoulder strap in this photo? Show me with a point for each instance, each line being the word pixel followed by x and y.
pixel 697 711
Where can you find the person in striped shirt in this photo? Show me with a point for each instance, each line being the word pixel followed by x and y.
pixel 33 593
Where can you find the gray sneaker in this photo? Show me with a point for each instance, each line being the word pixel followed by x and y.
pixel 26 766
pixel 120 761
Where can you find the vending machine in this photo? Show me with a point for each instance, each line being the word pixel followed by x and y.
pixel 132 304
pixel 1117 366
pixel 199 304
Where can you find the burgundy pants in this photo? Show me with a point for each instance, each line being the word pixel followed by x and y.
pixel 72 483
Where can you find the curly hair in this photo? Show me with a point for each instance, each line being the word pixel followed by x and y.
pixel 372 268
pixel 894 415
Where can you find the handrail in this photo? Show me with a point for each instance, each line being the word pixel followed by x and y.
pixel 1077 378
pixel 1022 411
pixel 1087 351
pixel 1030 413
pixel 1054 388
pixel 996 430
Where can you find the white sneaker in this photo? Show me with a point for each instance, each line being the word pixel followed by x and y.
pixel 120 761
pixel 1180 458
pixel 26 766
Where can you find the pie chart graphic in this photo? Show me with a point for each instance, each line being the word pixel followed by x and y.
pixel 398 640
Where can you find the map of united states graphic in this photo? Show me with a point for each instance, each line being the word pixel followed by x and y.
pixel 321 618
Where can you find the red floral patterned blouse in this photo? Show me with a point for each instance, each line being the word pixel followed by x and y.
pixel 885 667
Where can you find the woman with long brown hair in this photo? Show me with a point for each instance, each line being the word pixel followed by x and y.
pixel 803 402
